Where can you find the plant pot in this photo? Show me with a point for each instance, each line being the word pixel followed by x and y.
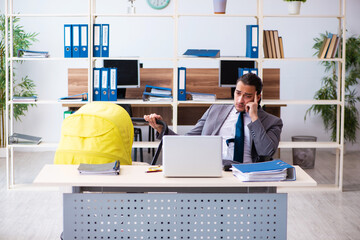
pixel 304 157
pixel 294 7
pixel 219 6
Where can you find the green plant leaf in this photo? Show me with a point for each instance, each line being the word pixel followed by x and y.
pixel 328 90
pixel 24 86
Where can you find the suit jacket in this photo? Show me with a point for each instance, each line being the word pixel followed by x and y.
pixel 264 132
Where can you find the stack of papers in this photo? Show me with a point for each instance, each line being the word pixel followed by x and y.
pixel 157 94
pixel 74 98
pixel 32 54
pixel 202 96
pixel 18 138
pixel 24 99
pixel 106 168
pixel 276 170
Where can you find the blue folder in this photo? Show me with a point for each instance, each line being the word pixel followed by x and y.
pixel 105 40
pixel 97 40
pixel 104 84
pixel 254 71
pixel 275 165
pixel 243 71
pixel 96 84
pixel 252 41
pixel 67 40
pixel 84 40
pixel 75 41
pixel 80 97
pixel 182 84
pixel 113 84
pixel 158 92
pixel 203 52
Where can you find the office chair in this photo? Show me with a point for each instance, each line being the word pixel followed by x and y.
pixel 137 133
pixel 158 150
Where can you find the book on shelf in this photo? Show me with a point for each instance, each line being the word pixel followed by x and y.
pixel 18 138
pixel 266 51
pixel 281 47
pixel 74 98
pixel 337 43
pixel 32 54
pixel 112 168
pixel 268 43
pixel 272 41
pixel 202 96
pixel 276 170
pixel 24 99
pixel 215 53
pixel 276 43
pixel 325 46
pixel 273 44
pixel 332 44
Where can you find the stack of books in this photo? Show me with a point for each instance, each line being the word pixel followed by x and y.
pixel 32 54
pixel 157 94
pixel 112 168
pixel 202 96
pixel 273 44
pixel 276 170
pixel 329 46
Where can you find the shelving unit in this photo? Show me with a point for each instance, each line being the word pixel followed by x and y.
pixel 91 16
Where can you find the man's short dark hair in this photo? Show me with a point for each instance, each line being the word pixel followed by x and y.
pixel 252 80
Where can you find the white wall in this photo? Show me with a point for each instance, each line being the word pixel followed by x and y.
pixel 153 37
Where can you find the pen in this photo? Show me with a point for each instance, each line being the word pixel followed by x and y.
pixel 151 171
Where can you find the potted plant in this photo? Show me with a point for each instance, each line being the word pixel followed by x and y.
pixel 328 90
pixel 294 6
pixel 21 87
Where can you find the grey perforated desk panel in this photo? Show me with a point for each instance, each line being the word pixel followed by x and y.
pixel 139 205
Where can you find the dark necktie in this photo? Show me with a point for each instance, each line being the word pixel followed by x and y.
pixel 239 139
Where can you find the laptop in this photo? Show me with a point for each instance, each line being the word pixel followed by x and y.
pixel 192 156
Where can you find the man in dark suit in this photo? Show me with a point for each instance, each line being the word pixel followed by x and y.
pixel 261 129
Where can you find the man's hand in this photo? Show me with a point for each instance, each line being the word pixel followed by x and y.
pixel 251 108
pixel 151 119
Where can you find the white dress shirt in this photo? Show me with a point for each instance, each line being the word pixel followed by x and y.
pixel 227 131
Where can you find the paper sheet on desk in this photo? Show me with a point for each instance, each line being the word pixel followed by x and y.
pixel 112 168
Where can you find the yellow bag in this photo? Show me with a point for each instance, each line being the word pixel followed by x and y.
pixel 99 132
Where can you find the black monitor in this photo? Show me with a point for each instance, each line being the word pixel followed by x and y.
pixel 229 71
pixel 128 75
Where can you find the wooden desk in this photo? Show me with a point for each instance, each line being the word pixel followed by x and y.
pixel 171 211
pixel 135 176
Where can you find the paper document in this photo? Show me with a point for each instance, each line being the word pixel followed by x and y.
pixel 106 168
pixel 276 170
